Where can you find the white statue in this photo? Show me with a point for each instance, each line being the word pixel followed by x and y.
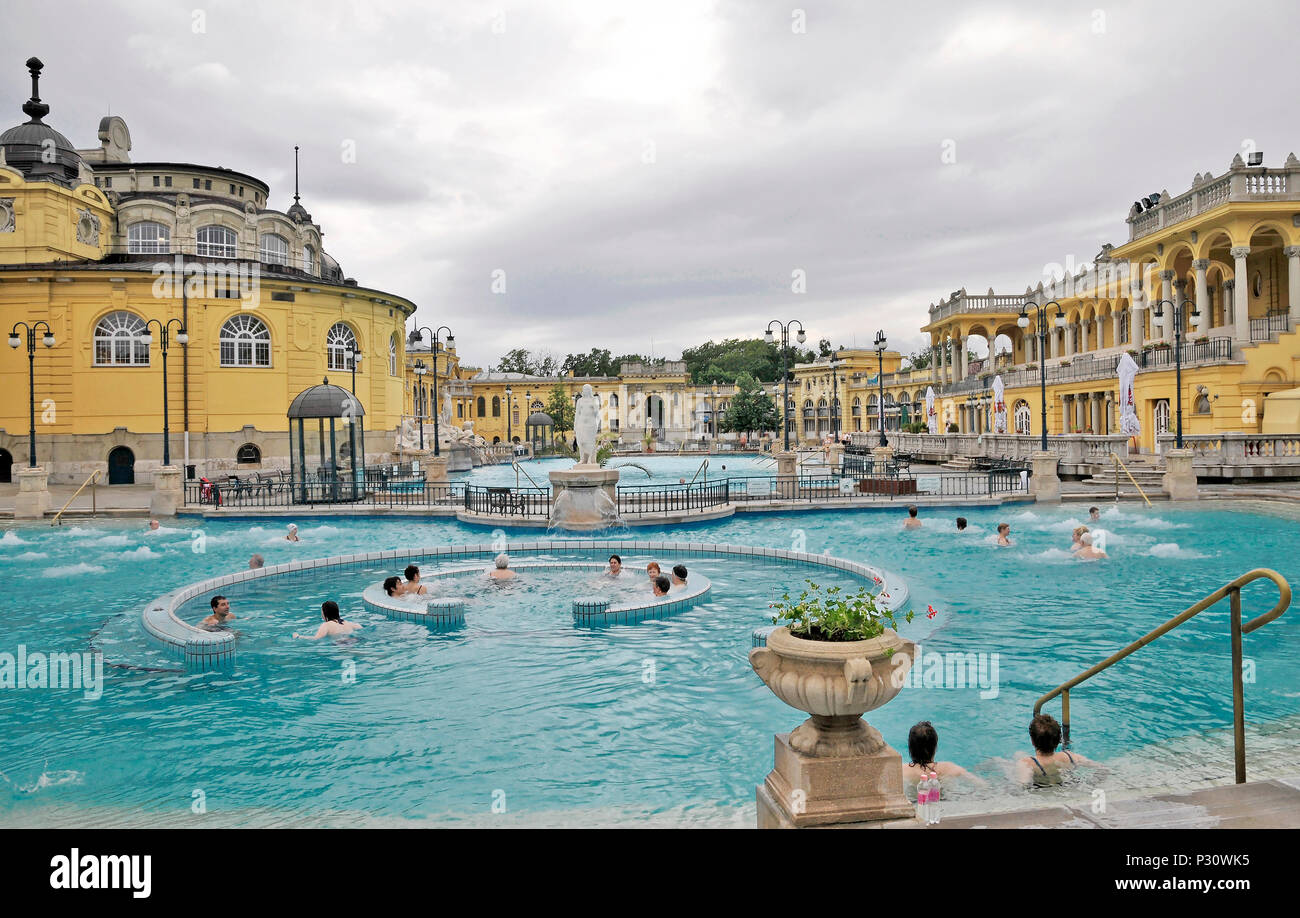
pixel 586 421
pixel 446 407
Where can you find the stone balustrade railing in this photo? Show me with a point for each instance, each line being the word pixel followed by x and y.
pixel 1238 448
pixel 1074 449
pixel 1239 183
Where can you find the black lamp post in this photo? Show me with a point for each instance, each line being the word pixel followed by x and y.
pixel 785 374
pixel 48 341
pixel 356 358
pixel 182 339
pixel 420 370
pixel 881 342
pixel 1158 313
pixel 713 411
pixel 1023 322
pixel 836 363
pixel 509 411
pixel 417 334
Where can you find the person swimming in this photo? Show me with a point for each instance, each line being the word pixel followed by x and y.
pixel 1004 531
pixel 502 570
pixel 661 585
pixel 652 569
pixel 961 524
pixel 1047 766
pixel 394 586
pixel 293 533
pixel 333 625
pixel 615 566
pixel 679 575
pixel 154 526
pixel 220 613
pixel 911 522
pixel 413 584
pixel 1094 514
pixel 1086 550
pixel 922 743
pixel 256 562
pixel 1076 537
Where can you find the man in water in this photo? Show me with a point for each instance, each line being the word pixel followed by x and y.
pixel 413 584
pixel 153 526
pixel 293 533
pixel 679 575
pixel 394 586
pixel 220 613
pixel 1094 515
pixel 1047 766
pixel 502 571
pixel 615 565
pixel 961 524
pixel 333 625
pixel 1087 552
pixel 256 562
pixel 1004 530
pixel 661 585
pixel 911 522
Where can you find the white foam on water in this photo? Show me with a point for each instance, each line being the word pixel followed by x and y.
pixel 1053 554
pixel 144 551
pixel 120 538
pixel 46 779
pixel 164 530
pixel 71 569
pixel 11 538
pixel 78 531
pixel 1172 550
pixel 31 556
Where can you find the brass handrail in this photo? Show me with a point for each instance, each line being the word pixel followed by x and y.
pixel 94 476
pixel 1233 590
pixel 515 463
pixel 1121 464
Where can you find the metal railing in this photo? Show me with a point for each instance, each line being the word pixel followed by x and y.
pixel 508 501
pixel 1232 591
pixel 1262 328
pixel 635 500
pixel 1119 464
pixel 91 480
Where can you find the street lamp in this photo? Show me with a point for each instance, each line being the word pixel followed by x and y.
pixel 510 407
pixel 713 412
pixel 182 339
pixel 1158 313
pixel 1023 322
pixel 785 375
pixel 881 342
pixel 356 359
pixel 420 370
pixel 417 334
pixel 48 341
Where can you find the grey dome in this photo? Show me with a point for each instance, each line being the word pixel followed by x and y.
pixel 25 145
pixel 540 419
pixel 325 401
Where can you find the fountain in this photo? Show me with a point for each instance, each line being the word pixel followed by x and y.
pixel 584 498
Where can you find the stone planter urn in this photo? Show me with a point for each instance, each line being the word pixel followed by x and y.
pixel 834 767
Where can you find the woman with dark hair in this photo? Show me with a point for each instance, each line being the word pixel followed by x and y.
pixel 922 744
pixel 333 625
pixel 394 586
pixel 1047 766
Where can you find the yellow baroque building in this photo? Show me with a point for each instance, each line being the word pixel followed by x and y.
pixel 105 250
pixel 1222 259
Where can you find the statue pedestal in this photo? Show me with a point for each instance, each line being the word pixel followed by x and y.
pixel 1044 483
pixel 881 456
pixel 167 495
pixel 33 497
pixel 584 498
pixel 1180 478
pixel 804 790
pixel 458 457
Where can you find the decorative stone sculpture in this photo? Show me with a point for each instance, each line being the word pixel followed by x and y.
pixel 6 215
pixel 586 422
pixel 87 227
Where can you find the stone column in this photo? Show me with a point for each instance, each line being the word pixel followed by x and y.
pixel 959 357
pixel 1180 297
pixel 1053 340
pixel 1167 294
pixel 943 365
pixel 1115 318
pixel 1179 481
pixel 167 494
pixel 881 457
pixel 33 497
pixel 1083 336
pixel 1200 266
pixel 1227 302
pixel 1071 345
pixel 1044 483
pixel 1292 253
pixel 1241 291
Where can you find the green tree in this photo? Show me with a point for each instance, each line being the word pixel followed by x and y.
pixel 560 408
pixel 750 409
pixel 517 361
pixel 722 362
pixel 598 362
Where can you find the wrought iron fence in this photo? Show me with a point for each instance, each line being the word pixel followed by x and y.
pixel 508 501
pixel 1265 327
pixel 248 493
pixel 639 499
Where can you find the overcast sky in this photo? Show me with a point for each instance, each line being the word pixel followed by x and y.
pixel 650 175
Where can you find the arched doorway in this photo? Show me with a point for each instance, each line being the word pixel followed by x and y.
pixel 6 466
pixel 121 466
pixel 1161 420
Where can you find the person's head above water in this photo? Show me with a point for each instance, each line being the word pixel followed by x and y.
pixel 922 742
pixel 653 569
pixel 1079 531
pixel 219 603
pixel 911 511
pixel 392 584
pixel 1086 539
pixel 679 572
pixel 153 525
pixel 615 564
pixel 961 523
pixel 412 573
pixel 255 562
pixel 1004 528
pixel 661 585
pixel 1094 513
pixel 329 609
pixel 1044 733
pixel 502 561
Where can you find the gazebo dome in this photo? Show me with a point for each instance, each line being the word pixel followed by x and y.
pixel 540 419
pixel 326 401
pixel 34 148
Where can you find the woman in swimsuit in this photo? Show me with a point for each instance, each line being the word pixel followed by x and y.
pixel 1047 766
pixel 922 743
pixel 332 626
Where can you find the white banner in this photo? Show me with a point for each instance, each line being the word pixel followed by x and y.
pixel 931 417
pixel 1128 417
pixel 999 406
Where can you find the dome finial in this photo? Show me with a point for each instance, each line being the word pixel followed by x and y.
pixel 34 108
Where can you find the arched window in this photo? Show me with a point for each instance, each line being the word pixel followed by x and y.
pixel 275 249
pixel 340 343
pixel 245 341
pixel 613 400
pixel 117 341
pixel 309 259
pixel 392 356
pixel 482 407
pixel 496 406
pixel 217 241
pixel 1024 424
pixel 148 238
pixel 857 407
pixel 248 453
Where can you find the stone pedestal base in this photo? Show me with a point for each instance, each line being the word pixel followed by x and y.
pixel 1045 483
pixel 881 457
pixel 834 452
pixel 803 790
pixel 167 495
pixel 33 497
pixel 435 467
pixel 1180 478
pixel 458 458
pixel 584 498
pixel 786 462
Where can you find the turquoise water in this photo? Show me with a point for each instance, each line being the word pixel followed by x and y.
pixel 661 721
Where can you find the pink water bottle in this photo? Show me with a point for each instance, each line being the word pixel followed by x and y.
pixel 933 799
pixel 923 797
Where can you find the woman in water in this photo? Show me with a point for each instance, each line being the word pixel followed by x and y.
pixel 653 569
pixel 293 533
pixel 1047 766
pixel 333 625
pixel 1077 539
pixel 502 569
pixel 922 744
